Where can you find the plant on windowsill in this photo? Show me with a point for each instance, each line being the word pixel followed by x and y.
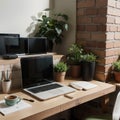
pixel 88 66
pixel 74 59
pixel 60 71
pixel 51 27
pixel 116 70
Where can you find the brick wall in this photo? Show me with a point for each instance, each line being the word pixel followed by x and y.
pixel 98 30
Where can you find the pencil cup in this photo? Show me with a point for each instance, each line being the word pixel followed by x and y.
pixel 6 86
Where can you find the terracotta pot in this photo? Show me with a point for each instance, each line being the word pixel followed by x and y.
pixel 117 76
pixel 59 76
pixel 75 71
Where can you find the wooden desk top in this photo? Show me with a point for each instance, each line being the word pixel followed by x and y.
pixel 43 109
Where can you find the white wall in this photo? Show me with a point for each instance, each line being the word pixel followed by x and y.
pixel 68 7
pixel 15 15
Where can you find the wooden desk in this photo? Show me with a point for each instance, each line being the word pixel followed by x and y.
pixel 44 109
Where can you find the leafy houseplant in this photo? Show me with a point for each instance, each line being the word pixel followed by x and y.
pixel 74 58
pixel 88 66
pixel 116 69
pixel 51 27
pixel 60 71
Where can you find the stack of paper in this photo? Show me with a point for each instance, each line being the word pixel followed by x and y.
pixel 82 85
pixel 5 109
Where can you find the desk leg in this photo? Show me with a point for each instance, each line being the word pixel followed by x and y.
pixel 104 103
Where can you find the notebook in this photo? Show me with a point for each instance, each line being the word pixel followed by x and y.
pixel 38 80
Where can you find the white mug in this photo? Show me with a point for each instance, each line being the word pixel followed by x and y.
pixel 6 86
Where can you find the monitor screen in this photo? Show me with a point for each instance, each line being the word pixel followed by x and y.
pixel 36 70
pixel 37 45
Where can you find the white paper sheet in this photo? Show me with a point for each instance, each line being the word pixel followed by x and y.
pixel 5 109
pixel 82 85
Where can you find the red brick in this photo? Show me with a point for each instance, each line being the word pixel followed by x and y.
pixel 110 19
pixel 83 20
pixel 100 53
pixel 110 35
pixel 118 28
pixel 98 36
pixel 90 44
pixel 100 44
pixel 80 12
pixel 110 52
pixel 81 27
pixel 118 5
pixel 102 11
pixel 112 3
pixel 117 35
pixel 91 11
pixel 101 28
pixel 99 20
pixel 91 28
pixel 116 43
pixel 109 44
pixel 86 3
pixel 117 20
pixel 83 35
pixel 112 28
pixel 101 3
pixel 109 60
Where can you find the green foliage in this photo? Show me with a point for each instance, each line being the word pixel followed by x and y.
pixel 52 26
pixel 60 67
pixel 89 57
pixel 74 54
pixel 116 66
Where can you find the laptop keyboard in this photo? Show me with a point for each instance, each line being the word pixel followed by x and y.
pixel 44 88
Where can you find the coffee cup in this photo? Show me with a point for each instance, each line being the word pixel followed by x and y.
pixel 11 100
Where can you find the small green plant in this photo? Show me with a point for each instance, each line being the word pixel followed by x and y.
pixel 74 54
pixel 60 67
pixel 89 57
pixel 116 66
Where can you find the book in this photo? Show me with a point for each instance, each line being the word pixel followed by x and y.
pixel 82 85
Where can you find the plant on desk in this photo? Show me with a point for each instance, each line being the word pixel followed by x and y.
pixel 60 71
pixel 74 59
pixel 116 69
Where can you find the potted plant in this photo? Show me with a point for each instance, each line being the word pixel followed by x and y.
pixel 51 27
pixel 60 71
pixel 88 66
pixel 116 69
pixel 73 59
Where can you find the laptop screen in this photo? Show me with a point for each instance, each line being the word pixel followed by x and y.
pixel 36 70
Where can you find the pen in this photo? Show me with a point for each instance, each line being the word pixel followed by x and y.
pixel 2 113
pixel 28 99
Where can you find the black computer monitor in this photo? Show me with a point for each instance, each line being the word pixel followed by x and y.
pixel 37 45
pixel 10 43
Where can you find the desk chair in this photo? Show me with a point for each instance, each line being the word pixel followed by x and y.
pixel 115 115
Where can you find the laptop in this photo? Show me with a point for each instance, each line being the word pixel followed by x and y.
pixel 37 78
